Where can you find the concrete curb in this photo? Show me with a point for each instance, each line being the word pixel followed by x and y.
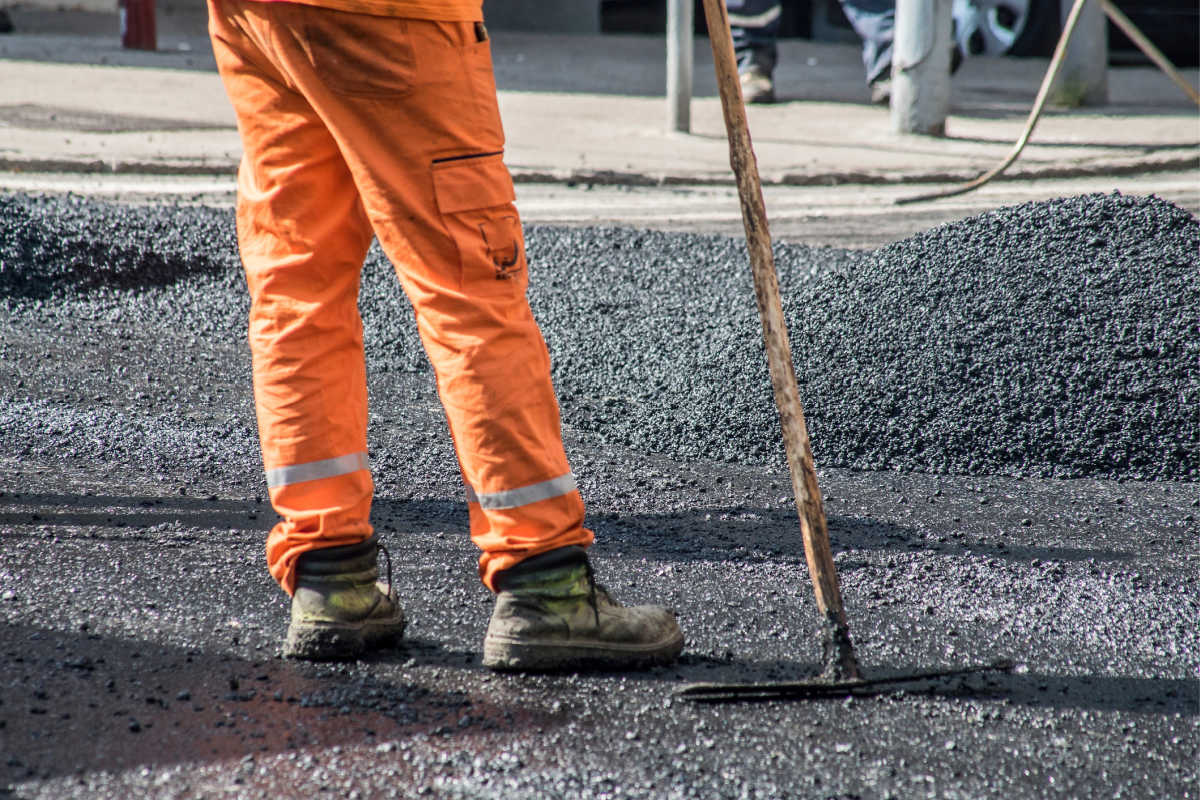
pixel 1163 163
pixel 1174 160
pixel 116 167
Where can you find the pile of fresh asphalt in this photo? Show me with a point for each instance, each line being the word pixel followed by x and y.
pixel 1054 339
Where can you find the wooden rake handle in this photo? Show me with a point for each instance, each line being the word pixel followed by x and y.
pixel 839 654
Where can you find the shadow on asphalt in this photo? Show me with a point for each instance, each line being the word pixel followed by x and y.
pixel 137 515
pixel 1096 693
pixel 758 534
pixel 77 702
pixel 747 534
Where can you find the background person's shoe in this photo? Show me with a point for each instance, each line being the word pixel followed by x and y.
pixel 881 91
pixel 757 86
pixel 551 615
pixel 340 608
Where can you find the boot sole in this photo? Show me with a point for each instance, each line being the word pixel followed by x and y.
pixel 547 655
pixel 334 642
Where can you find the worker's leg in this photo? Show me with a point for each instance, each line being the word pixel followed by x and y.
pixel 303 236
pixel 413 108
pixel 445 215
pixel 874 22
pixel 412 105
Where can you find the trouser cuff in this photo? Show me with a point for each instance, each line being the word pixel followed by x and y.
pixel 570 556
pixel 344 558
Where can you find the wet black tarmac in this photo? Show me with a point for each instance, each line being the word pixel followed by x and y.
pixel 140 632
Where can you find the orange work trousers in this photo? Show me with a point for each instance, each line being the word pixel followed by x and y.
pixel 352 126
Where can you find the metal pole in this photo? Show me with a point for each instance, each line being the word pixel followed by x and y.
pixel 680 24
pixel 1083 79
pixel 921 67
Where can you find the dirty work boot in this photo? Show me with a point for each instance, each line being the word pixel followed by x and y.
pixel 757 86
pixel 339 609
pixel 550 615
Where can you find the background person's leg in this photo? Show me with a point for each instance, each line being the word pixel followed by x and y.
pixel 874 21
pixel 755 28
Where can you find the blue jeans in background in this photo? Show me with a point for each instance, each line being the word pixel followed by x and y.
pixel 755 25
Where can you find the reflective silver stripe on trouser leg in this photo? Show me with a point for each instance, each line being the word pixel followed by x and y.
pixel 515 498
pixel 315 470
pixel 757 20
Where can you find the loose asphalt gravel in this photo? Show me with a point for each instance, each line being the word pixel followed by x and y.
pixel 1003 409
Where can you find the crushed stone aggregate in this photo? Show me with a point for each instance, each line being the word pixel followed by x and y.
pixel 1056 338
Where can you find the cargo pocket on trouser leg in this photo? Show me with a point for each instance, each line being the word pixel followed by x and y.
pixel 475 199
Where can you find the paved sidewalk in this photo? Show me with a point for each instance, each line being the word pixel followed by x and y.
pixel 590 109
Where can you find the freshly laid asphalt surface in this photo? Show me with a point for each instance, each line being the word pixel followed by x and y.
pixel 1003 410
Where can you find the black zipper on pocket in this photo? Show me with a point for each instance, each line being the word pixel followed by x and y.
pixel 463 158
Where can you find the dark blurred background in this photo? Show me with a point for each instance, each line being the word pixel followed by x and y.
pixel 984 27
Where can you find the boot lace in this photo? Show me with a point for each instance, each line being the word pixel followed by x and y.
pixel 388 558
pixel 591 578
